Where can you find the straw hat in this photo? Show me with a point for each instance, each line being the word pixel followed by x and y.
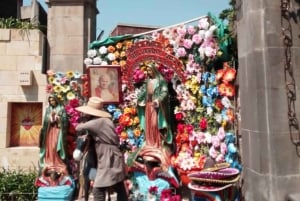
pixel 94 107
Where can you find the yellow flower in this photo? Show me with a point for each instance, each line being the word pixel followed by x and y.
pixel 50 79
pixel 123 54
pixel 70 95
pixel 70 75
pixel 59 97
pixel 65 89
pixel 117 54
pixel 58 89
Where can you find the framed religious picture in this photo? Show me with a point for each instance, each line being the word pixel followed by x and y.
pixel 105 82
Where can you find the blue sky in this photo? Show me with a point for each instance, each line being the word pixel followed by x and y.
pixel 150 12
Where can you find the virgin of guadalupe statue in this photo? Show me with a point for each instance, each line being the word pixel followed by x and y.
pixel 153 111
pixel 52 134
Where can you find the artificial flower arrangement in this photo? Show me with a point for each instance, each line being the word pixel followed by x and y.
pixel 205 114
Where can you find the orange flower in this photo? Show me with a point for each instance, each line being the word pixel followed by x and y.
pixel 123 135
pixel 115 62
pixel 119 45
pixel 128 44
pixel 111 49
pixel 201 161
pixel 124 120
pixel 229 75
pixel 122 62
pixel 230 114
pixel 219 74
pixel 136 120
pixel 222 89
pixel 137 132
pixel 230 90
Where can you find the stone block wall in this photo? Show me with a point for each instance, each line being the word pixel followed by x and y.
pixel 271 168
pixel 21 81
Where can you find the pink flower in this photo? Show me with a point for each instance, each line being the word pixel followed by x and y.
pixel 220 158
pixel 215 141
pixel 197 39
pixel 223 148
pixel 213 152
pixel 49 88
pixel 187 43
pixel 181 52
pixel 119 129
pixel 74 102
pixel 181 31
pixel 138 75
pixel 221 133
pixel 191 29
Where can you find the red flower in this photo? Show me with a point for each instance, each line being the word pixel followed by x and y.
pixel 180 128
pixel 189 128
pixel 179 116
pixel 203 124
pixel 153 189
pixel 219 104
pixel 124 120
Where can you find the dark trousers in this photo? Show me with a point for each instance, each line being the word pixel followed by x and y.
pixel 100 192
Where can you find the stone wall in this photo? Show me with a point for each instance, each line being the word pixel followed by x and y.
pixel 21 81
pixel 271 168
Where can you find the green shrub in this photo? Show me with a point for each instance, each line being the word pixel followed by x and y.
pixel 18 185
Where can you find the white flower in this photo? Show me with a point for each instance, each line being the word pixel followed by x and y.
pixel 91 53
pixel 218 118
pixel 97 60
pixel 209 33
pixel 209 111
pixel 210 52
pixel 111 56
pixel 187 164
pixel 104 63
pixel 207 137
pixel 201 52
pixel 88 61
pixel 226 102
pixel 102 50
pixel 203 23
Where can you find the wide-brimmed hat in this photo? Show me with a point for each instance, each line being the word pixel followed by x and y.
pixel 94 107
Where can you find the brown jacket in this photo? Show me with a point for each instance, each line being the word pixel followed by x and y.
pixel 111 164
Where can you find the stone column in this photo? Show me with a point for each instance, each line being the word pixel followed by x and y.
pixel 270 159
pixel 71 28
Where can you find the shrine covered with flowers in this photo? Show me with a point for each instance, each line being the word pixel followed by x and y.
pixel 195 61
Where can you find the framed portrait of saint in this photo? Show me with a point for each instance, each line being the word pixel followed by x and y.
pixel 105 82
